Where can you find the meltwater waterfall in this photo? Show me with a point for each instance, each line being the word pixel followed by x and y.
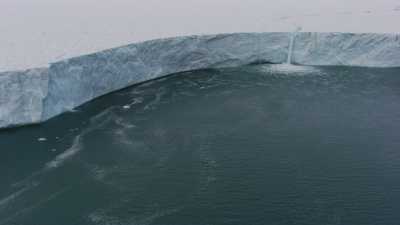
pixel 291 44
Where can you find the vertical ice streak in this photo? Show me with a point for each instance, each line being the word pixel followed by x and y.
pixel 291 44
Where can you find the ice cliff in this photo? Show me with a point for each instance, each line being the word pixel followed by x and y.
pixel 36 95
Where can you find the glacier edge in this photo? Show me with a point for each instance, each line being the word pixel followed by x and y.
pixel 36 95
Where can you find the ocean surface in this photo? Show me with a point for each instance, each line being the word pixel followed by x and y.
pixel 262 144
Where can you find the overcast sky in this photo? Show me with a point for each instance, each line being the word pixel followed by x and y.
pixel 36 32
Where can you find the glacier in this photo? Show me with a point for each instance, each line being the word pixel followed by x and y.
pixel 36 95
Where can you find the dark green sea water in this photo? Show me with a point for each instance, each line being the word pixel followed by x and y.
pixel 245 146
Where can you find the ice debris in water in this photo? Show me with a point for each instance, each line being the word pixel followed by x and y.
pixel 126 107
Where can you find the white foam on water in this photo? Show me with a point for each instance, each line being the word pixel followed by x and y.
pixel 290 69
pixel 33 206
pixel 30 182
pixel 98 173
pixel 156 101
pixel 120 134
pixel 160 213
pixel 56 162
pixel 126 125
pixel 61 158
pixel 100 217
pixel 4 202
pixel 101 117
pixel 122 137
pixel 95 122
pixel 136 101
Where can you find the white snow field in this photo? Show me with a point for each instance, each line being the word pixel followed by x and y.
pixel 36 32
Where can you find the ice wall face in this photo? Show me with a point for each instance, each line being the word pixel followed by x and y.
pixel 370 50
pixel 36 95
pixel 21 97
pixel 78 80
